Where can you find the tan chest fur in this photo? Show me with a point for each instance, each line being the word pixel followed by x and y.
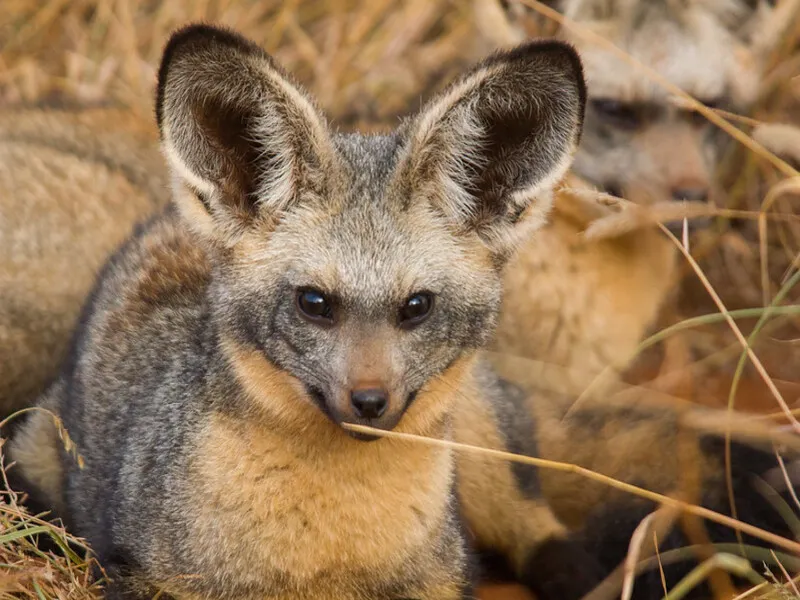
pixel 267 501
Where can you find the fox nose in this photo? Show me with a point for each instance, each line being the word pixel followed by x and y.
pixel 369 403
pixel 692 194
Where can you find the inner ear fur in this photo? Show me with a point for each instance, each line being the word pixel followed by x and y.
pixel 237 132
pixel 488 150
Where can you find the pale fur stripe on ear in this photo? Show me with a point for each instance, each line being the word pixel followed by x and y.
pixel 489 149
pixel 237 132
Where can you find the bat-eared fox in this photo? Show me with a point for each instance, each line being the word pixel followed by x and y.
pixel 303 279
pixel 586 305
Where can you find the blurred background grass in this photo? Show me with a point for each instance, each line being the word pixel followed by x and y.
pixel 366 62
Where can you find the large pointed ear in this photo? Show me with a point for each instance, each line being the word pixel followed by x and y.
pixel 244 143
pixel 487 152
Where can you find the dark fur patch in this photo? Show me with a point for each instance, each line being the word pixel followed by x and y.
pixel 562 53
pixel 176 274
pixel 191 39
pixel 607 533
pixel 517 428
pixel 493 567
pixel 561 569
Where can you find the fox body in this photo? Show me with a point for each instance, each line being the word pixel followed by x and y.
pixel 583 305
pixel 580 307
pixel 72 184
pixel 302 280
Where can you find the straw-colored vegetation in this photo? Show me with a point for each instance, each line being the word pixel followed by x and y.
pixel 370 62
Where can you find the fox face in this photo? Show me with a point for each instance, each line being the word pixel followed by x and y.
pixel 364 267
pixel 637 141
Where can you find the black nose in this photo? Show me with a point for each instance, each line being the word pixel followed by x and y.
pixel 369 403
pixel 691 194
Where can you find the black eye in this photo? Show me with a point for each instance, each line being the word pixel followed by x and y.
pixel 416 309
pixel 713 102
pixel 698 118
pixel 624 116
pixel 314 306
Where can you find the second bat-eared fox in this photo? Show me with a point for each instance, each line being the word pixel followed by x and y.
pixel 303 280
pixel 585 305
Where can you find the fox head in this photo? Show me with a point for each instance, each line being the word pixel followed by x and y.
pixel 363 268
pixel 637 142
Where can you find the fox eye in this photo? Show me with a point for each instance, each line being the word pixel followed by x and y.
pixel 619 114
pixel 712 103
pixel 314 306
pixel 416 309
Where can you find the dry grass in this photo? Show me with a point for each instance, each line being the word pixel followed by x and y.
pixel 365 62
pixel 26 571
pixel 369 63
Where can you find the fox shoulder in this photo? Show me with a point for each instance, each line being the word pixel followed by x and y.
pixel 582 304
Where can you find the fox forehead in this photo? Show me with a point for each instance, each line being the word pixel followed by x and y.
pixel 370 158
pixel 376 254
pixel 697 55
pixel 364 240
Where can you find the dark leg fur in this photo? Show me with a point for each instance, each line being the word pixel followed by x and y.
pixel 561 569
pixel 121 582
pixel 469 592
pixel 607 535
pixel 118 590
pixel 494 567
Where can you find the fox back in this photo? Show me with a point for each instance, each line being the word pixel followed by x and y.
pixel 304 280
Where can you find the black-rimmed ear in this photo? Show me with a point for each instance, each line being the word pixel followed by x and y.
pixel 487 152
pixel 242 140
